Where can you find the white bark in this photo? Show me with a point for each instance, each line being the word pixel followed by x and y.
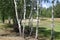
pixel 24 16
pixel 37 19
pixel 17 17
pixel 52 20
pixel 30 18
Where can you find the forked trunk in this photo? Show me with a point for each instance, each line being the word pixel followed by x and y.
pixel 18 20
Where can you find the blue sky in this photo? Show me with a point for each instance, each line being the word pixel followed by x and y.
pixel 46 5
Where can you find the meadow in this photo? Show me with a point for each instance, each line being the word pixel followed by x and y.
pixel 44 28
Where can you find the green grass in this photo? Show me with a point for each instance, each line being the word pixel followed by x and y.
pixel 45 29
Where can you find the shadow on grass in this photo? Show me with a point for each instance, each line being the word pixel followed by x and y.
pixel 47 33
pixel 42 32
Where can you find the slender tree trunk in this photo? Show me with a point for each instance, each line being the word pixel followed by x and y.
pixel 30 18
pixel 18 20
pixel 52 20
pixel 3 19
pixel 37 20
pixel 9 19
pixel 24 16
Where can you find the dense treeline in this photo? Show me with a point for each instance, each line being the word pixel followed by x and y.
pixel 7 9
pixel 47 12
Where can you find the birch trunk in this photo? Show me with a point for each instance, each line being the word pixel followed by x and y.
pixel 37 20
pixel 30 18
pixel 17 17
pixel 52 20
pixel 24 16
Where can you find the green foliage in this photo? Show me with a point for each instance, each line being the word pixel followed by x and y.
pixel 47 12
pixel 57 10
pixel 7 9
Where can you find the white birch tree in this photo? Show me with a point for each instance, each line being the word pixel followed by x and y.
pixel 52 20
pixel 18 20
pixel 30 18
pixel 24 16
pixel 37 20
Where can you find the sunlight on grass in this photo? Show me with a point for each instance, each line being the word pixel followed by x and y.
pixel 44 28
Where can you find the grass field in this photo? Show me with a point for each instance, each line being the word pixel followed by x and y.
pixel 44 28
